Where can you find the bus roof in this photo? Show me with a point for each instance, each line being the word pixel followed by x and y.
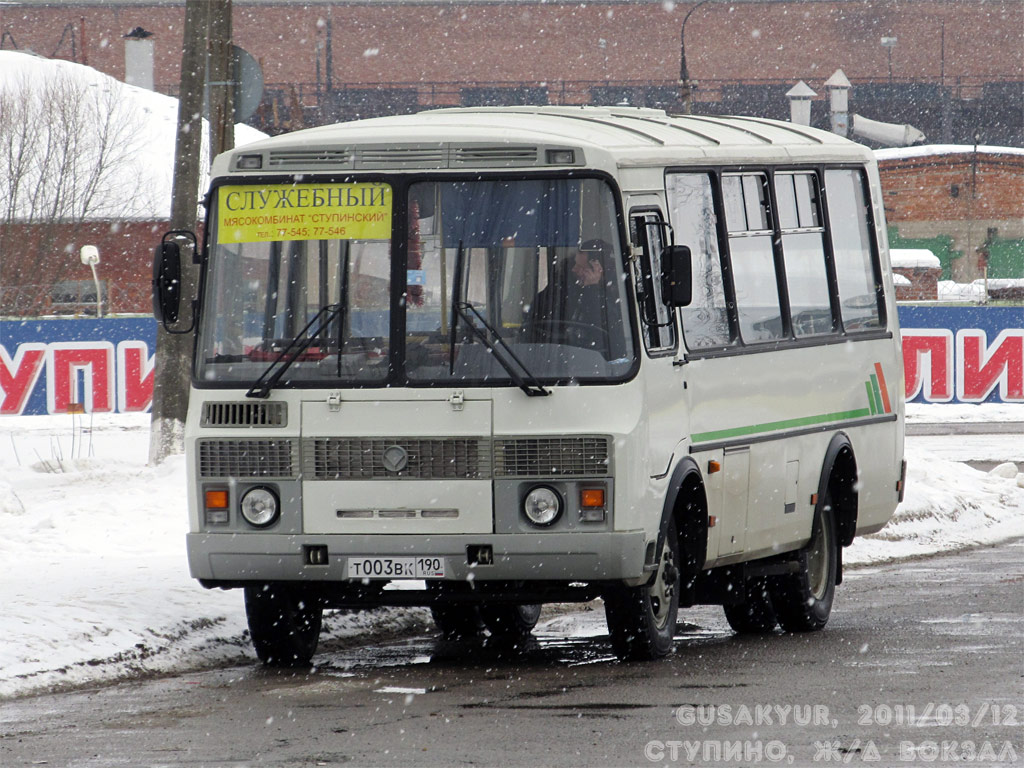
pixel 504 137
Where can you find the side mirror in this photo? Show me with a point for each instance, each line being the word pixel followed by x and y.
pixel 167 282
pixel 676 276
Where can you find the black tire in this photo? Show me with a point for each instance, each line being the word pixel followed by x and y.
pixel 510 621
pixel 756 614
pixel 642 620
pixel 285 628
pixel 803 600
pixel 457 622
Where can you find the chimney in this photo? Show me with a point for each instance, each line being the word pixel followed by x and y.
pixel 800 96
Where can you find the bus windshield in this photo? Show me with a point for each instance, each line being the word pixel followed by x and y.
pixel 504 280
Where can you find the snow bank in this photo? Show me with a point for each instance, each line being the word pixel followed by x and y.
pixel 948 506
pixel 154 116
pixel 95 583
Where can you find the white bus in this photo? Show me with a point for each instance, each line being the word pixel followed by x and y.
pixel 514 356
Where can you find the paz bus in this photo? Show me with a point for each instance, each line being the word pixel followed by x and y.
pixel 516 356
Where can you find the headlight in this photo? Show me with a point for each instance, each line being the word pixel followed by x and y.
pixel 542 505
pixel 259 507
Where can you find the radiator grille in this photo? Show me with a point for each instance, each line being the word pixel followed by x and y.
pixel 247 458
pixel 244 414
pixel 552 457
pixel 428 458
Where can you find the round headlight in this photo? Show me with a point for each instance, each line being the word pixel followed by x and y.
pixel 542 505
pixel 259 507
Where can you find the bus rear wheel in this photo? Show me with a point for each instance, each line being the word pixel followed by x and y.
pixel 756 614
pixel 803 600
pixel 510 621
pixel 642 620
pixel 285 628
pixel 455 620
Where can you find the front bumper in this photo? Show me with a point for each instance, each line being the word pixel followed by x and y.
pixel 559 557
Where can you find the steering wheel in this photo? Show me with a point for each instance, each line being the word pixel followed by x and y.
pixel 560 333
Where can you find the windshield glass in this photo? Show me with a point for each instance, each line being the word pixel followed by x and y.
pixel 537 260
pixel 281 252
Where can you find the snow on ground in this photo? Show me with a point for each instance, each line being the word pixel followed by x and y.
pixel 95 585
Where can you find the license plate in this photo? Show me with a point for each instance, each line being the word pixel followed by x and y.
pixel 396 567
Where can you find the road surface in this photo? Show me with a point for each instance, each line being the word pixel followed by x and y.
pixel 920 664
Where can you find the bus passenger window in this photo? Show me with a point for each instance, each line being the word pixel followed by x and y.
pixel 692 213
pixel 803 251
pixel 753 260
pixel 853 249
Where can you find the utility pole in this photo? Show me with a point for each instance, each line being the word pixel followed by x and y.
pixel 222 83
pixel 174 352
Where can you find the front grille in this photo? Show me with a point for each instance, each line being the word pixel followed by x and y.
pixel 552 457
pixel 336 458
pixel 244 414
pixel 247 458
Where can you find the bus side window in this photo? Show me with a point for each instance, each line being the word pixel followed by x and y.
pixel 658 326
pixel 853 248
pixel 748 220
pixel 692 213
pixel 803 249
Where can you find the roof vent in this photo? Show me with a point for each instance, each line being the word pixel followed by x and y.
pixel 489 156
pixel 402 157
pixel 310 158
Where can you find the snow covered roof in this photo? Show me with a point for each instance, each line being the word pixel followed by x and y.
pixel 908 258
pixel 927 150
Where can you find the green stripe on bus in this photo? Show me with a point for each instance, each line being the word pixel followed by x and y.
pixel 878 394
pixel 871 398
pixel 806 421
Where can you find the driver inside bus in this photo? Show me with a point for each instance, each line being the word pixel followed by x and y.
pixel 578 307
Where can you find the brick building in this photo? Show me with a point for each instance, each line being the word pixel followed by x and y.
pixel 48 277
pixel 967 207
pixel 957 67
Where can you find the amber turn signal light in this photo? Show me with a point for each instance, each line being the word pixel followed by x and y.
pixel 591 498
pixel 216 499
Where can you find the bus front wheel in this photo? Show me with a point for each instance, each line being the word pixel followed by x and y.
pixel 642 620
pixel 803 600
pixel 285 628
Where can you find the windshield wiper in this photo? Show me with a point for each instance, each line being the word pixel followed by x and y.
pixel 299 344
pixel 529 384
pixel 532 387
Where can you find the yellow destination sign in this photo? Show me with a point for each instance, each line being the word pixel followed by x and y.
pixel 254 213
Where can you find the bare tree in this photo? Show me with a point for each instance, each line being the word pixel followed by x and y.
pixel 67 154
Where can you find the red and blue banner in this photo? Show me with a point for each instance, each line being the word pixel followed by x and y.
pixel 950 355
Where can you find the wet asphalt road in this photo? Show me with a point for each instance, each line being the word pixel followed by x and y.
pixel 922 663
